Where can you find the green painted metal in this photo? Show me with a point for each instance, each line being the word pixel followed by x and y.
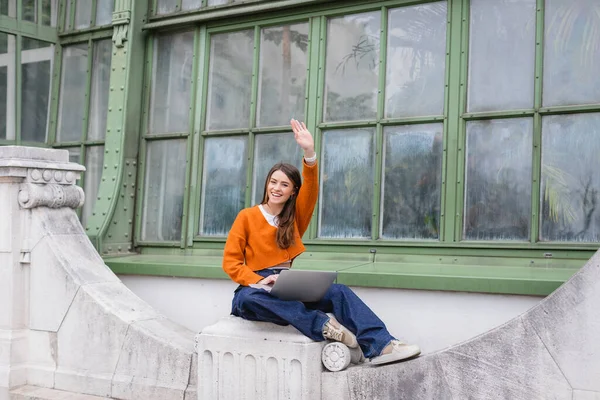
pixel 498 114
pixel 79 36
pixel 252 122
pixel 71 17
pixel 452 123
pixel 312 92
pixel 318 53
pixel 537 125
pixel 585 108
pixel 54 95
pixel 378 142
pixel 197 140
pixel 19 82
pixel 142 142
pixel 185 225
pixel 88 89
pixel 466 274
pixel 124 107
pixel 212 14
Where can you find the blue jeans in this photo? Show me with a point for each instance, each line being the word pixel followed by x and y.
pixel 309 318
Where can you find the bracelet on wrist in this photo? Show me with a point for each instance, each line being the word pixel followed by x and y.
pixel 311 159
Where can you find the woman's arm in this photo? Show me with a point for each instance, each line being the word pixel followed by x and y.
pixel 233 256
pixel 309 192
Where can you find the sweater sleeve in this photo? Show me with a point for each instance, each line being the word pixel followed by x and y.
pixel 233 257
pixel 307 197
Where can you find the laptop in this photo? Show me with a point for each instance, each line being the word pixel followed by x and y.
pixel 300 285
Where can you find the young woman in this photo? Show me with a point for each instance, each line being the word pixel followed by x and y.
pixel 266 238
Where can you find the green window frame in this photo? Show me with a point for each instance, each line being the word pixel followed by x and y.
pixel 455 119
pixel 86 15
pixel 29 55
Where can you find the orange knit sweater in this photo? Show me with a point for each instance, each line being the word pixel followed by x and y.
pixel 251 244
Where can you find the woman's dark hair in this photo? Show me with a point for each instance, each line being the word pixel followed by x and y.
pixel 285 219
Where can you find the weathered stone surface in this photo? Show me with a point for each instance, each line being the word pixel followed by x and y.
pixel 585 395
pixel 155 361
pixel 509 362
pixel 92 336
pixel 421 378
pixel 257 360
pixel 16 153
pixel 567 322
pixel 65 262
pixel 42 358
pixel 30 392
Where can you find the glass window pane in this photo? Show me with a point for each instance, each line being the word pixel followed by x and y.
pixel 104 10
pixel 191 4
pixel 570 192
pixel 83 14
pixel 166 6
pixel 49 12
pixel 269 150
pixel 99 90
pixel 171 83
pixel 352 67
pixel 164 189
pixel 75 156
pixel 416 61
pixel 71 106
pixel 36 69
pixel 412 182
pixel 501 55
pixel 571 52
pixel 230 80
pixel 8 8
pixel 94 159
pixel 498 180
pixel 223 184
pixel 282 87
pixel 29 10
pixel 347 184
pixel 7 86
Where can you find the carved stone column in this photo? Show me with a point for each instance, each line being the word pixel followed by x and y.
pixel 29 178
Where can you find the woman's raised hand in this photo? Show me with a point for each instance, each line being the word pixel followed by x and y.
pixel 303 138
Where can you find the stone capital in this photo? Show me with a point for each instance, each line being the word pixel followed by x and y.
pixel 47 177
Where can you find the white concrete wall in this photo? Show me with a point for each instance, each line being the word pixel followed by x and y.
pixel 434 320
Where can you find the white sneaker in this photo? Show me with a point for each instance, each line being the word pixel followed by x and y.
pixel 333 330
pixel 396 351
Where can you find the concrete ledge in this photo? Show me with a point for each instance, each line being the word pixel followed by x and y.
pixel 239 359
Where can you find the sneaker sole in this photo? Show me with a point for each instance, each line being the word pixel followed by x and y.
pixel 395 357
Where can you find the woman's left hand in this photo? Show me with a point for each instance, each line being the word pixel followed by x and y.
pixel 303 138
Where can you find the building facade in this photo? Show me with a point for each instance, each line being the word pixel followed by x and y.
pixel 458 140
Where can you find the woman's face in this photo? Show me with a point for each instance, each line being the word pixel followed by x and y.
pixel 279 188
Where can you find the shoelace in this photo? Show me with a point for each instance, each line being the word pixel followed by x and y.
pixel 334 333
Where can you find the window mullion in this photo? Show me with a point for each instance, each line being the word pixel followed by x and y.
pixel 317 65
pixel 252 122
pixel 537 125
pixel 455 126
pixel 93 13
pixel 141 173
pixel 186 223
pixel 88 90
pixel 378 172
pixel 19 83
pixel 54 94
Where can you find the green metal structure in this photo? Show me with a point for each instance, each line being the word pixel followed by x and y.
pixel 143 35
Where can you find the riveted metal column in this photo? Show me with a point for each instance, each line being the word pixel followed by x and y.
pixel 110 226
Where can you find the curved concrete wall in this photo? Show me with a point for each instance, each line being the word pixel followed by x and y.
pixel 67 321
pixel 550 352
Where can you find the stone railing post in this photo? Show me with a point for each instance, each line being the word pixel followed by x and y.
pixel 29 178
